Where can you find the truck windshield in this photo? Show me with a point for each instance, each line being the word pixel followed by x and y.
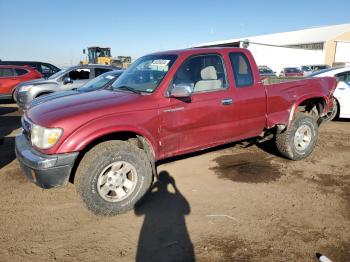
pixel 145 74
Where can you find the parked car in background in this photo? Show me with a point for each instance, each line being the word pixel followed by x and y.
pixel 164 105
pixel 66 79
pixel 291 72
pixel 266 71
pixel 101 82
pixel 341 95
pixel 11 76
pixel 309 69
pixel 45 69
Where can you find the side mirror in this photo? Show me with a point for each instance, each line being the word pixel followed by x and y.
pixel 67 80
pixel 181 91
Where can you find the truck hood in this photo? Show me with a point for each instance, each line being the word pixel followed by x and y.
pixel 49 97
pixel 73 111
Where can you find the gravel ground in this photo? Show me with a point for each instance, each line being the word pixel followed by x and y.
pixel 227 204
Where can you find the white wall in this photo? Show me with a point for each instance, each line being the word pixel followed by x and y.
pixel 278 57
pixel 342 53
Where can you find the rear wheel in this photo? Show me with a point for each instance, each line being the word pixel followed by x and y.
pixel 112 177
pixel 299 140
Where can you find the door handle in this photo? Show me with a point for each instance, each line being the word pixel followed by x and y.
pixel 227 101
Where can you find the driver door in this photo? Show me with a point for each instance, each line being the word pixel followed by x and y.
pixel 205 118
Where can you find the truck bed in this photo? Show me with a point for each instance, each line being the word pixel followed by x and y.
pixel 283 95
pixel 278 79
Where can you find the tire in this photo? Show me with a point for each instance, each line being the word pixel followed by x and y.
pixel 101 169
pixel 333 114
pixel 292 143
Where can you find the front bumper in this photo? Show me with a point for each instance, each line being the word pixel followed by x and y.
pixel 46 171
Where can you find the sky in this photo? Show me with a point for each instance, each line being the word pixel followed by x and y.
pixel 56 31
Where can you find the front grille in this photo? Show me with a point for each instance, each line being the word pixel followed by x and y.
pixel 26 125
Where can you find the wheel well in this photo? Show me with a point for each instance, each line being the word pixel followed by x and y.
pixel 43 93
pixel 131 137
pixel 309 104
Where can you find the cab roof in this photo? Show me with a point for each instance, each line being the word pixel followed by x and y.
pixel 197 50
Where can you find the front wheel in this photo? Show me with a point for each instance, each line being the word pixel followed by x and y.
pixel 112 177
pixel 299 140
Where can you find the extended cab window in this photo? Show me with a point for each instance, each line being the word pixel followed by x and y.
pixel 6 72
pixel 202 73
pixel 241 70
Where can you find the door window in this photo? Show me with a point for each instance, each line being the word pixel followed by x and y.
pixel 79 74
pixel 241 70
pixel 20 72
pixel 6 72
pixel 203 73
pixel 345 76
pixel 46 69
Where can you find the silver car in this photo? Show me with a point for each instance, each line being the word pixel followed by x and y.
pixel 64 80
pixel 103 81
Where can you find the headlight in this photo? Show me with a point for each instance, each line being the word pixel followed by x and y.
pixel 25 88
pixel 45 138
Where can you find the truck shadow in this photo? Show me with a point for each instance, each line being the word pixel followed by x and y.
pixel 270 148
pixel 7 152
pixel 164 235
pixel 10 120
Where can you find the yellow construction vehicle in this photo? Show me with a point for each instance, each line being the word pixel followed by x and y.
pixel 98 55
pixel 102 55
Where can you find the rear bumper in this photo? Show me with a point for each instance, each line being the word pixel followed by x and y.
pixel 46 171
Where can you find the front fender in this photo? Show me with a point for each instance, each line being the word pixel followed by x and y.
pixel 98 128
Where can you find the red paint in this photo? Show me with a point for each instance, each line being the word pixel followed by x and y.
pixel 203 122
pixel 8 84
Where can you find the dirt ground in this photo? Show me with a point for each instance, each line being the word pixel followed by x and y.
pixel 228 204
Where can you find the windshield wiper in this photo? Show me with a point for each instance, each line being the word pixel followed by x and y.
pixel 129 89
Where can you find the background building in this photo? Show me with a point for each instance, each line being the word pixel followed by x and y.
pixel 320 45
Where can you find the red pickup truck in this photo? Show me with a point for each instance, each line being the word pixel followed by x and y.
pixel 166 104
